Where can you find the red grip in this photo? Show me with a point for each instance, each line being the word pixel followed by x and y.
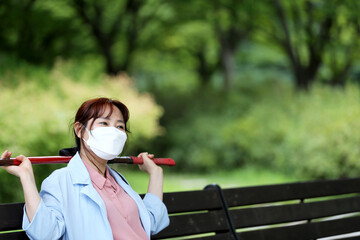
pixel 66 159
pixel 45 160
pixel 16 162
pixel 157 161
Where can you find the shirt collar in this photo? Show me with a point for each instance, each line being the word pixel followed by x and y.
pixel 98 179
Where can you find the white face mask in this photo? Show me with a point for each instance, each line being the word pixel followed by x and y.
pixel 106 142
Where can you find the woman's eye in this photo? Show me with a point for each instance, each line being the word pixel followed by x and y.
pixel 103 123
pixel 120 127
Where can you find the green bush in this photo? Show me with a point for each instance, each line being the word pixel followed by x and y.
pixel 195 135
pixel 36 119
pixel 313 134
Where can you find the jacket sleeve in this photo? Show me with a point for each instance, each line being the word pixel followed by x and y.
pixel 158 213
pixel 48 222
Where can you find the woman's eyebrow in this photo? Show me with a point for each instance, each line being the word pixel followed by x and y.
pixel 107 118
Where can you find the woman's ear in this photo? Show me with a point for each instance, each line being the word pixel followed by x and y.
pixel 78 129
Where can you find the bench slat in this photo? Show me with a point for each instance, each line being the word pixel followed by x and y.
pixel 221 236
pixel 258 216
pixel 349 238
pixel 305 231
pixel 192 201
pixel 11 216
pixel 197 223
pixel 14 236
pixel 293 191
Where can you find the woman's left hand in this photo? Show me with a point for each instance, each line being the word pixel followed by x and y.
pixel 155 172
pixel 148 165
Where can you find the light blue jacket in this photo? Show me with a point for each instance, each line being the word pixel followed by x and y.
pixel 71 208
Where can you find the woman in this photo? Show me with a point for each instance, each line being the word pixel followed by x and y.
pixel 87 199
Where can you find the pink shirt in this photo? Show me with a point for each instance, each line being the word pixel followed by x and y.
pixel 122 211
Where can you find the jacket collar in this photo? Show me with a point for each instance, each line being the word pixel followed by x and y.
pixel 78 171
pixel 80 175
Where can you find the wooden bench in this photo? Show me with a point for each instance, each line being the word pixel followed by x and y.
pixel 305 210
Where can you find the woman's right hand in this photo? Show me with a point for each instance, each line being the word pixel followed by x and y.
pixel 25 172
pixel 21 171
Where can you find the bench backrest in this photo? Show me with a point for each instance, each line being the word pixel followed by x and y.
pixel 307 210
pixel 10 220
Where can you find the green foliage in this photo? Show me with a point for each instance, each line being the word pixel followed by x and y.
pixel 194 133
pixel 320 38
pixel 36 112
pixel 196 122
pixel 265 123
pixel 314 134
pixel 39 31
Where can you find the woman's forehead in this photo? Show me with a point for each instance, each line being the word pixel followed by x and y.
pixel 111 111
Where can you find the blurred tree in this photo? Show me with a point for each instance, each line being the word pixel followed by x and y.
pixel 232 21
pixel 116 26
pixel 195 39
pixel 211 32
pixel 39 31
pixel 343 49
pixel 31 31
pixel 310 32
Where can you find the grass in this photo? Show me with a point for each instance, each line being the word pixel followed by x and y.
pixel 247 176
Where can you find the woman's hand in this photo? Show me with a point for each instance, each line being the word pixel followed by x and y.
pixel 148 166
pixel 155 172
pixel 23 170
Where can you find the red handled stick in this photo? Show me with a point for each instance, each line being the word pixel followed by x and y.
pixel 66 159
